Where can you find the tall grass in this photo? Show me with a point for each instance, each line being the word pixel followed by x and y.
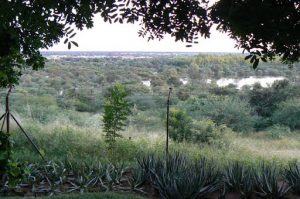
pixel 66 140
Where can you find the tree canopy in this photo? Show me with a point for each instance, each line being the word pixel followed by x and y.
pixel 263 28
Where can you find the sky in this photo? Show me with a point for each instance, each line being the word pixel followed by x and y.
pixel 124 37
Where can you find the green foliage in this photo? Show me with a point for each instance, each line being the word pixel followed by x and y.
pixel 138 178
pixel 232 17
pixel 9 169
pixel 232 111
pixel 5 153
pixel 180 125
pixel 206 131
pixel 278 131
pixel 267 181
pixel 292 176
pixel 240 178
pixel 288 113
pixel 116 111
pixel 177 178
pixel 64 177
pixel 266 100
pixel 30 27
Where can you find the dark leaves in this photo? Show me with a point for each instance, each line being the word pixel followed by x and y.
pixel 74 43
pixel 255 64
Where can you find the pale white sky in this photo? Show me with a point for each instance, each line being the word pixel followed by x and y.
pixel 124 37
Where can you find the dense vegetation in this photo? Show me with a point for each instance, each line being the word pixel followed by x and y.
pixel 62 108
pixel 72 85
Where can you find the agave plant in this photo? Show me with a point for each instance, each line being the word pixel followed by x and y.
pixel 113 175
pixel 99 173
pixel 148 163
pixel 137 179
pixel 81 183
pixel 177 178
pixel 55 172
pixel 268 185
pixel 240 178
pixel 292 176
pixel 52 188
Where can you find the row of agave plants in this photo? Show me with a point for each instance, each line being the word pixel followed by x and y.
pixel 180 178
pixel 54 178
pixel 174 177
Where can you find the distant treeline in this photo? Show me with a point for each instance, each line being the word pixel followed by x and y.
pixel 79 84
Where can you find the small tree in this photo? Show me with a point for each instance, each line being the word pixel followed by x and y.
pixel 116 111
pixel 180 125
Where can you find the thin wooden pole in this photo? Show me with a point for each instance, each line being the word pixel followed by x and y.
pixel 7 110
pixel 6 118
pixel 167 125
pixel 24 132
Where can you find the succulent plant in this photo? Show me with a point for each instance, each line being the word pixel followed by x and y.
pixel 268 185
pixel 113 175
pixel 240 178
pixel 292 176
pixel 138 178
pixel 178 178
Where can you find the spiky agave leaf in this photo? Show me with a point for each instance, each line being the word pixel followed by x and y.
pixel 178 178
pixel 292 176
pixel 268 185
pixel 240 178
pixel 138 177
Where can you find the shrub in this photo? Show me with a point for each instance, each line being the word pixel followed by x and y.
pixel 261 123
pixel 288 113
pixel 206 131
pixel 278 131
pixel 43 114
pixel 5 151
pixel 180 125
pixel 232 111
pixel 265 100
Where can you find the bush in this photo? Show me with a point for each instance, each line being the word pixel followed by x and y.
pixel 232 111
pixel 206 131
pixel 43 114
pixel 261 123
pixel 278 131
pixel 288 113
pixel 180 125
pixel 265 100
pixel 5 151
